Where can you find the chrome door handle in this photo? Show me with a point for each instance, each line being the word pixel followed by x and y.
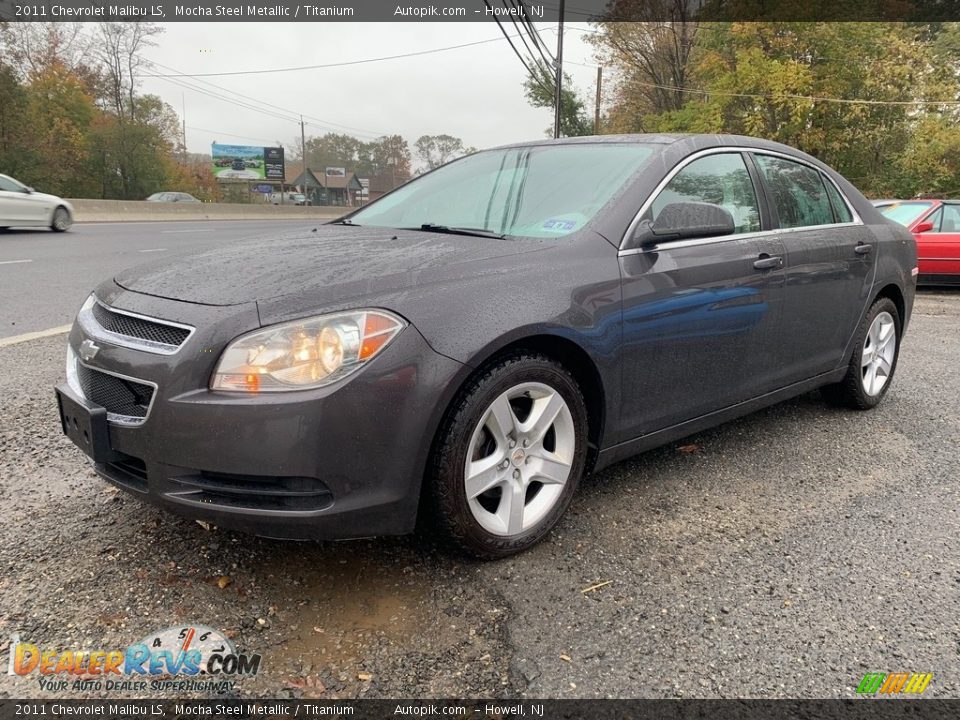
pixel 862 248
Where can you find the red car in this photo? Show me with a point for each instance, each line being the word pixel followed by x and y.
pixel 936 226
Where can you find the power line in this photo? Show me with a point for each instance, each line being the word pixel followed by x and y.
pixel 535 77
pixel 183 77
pixel 232 135
pixel 811 98
pixel 346 63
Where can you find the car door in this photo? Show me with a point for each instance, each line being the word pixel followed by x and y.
pixel 700 317
pixel 938 249
pixel 15 207
pixel 830 263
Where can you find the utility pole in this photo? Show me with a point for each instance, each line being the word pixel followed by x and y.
pixel 183 100
pixel 596 116
pixel 559 80
pixel 303 151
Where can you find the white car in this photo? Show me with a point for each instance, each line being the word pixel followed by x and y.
pixel 21 206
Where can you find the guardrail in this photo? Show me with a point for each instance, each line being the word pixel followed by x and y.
pixel 140 211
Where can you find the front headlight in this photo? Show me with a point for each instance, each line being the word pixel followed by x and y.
pixel 306 353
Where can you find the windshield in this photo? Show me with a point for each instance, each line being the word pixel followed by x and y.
pixel 539 191
pixel 906 212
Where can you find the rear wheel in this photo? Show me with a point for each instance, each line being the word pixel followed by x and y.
pixel 61 220
pixel 508 459
pixel 874 360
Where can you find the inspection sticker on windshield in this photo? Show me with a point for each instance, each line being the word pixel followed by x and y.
pixel 559 225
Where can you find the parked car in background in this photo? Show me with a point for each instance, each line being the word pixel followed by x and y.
pixel 935 225
pixel 172 197
pixel 22 206
pixel 239 164
pixel 472 344
pixel 289 198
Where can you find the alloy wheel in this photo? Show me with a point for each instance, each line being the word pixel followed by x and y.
pixel 519 459
pixel 61 219
pixel 879 349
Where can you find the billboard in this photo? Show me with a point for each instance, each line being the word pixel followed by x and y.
pixel 246 162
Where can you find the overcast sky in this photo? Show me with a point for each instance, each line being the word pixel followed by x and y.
pixel 475 93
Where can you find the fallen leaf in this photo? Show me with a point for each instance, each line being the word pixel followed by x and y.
pixel 565 658
pixel 312 686
pixel 691 448
pixel 204 524
pixel 364 676
pixel 223 581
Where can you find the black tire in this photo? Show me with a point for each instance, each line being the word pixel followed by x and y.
pixel 61 220
pixel 850 391
pixel 451 513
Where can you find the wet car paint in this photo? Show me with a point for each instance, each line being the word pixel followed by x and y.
pixel 678 338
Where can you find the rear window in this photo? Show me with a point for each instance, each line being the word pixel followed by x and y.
pixel 798 192
pixel 906 213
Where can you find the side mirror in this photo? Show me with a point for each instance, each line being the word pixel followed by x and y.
pixel 28 190
pixel 684 221
pixel 925 226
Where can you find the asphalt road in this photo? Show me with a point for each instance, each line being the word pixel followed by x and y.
pixel 782 555
pixel 45 276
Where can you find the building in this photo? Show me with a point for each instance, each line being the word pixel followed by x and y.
pixel 326 187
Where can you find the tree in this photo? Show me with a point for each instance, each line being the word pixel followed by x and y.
pixel 541 92
pixel 651 64
pixel 57 116
pixel 435 150
pixel 387 154
pixel 860 96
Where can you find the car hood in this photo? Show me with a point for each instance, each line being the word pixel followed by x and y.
pixel 328 263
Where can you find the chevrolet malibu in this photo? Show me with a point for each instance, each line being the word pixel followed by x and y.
pixel 465 349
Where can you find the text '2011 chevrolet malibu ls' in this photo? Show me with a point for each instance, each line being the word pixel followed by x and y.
pixel 473 343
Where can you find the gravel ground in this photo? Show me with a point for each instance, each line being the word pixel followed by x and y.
pixel 782 555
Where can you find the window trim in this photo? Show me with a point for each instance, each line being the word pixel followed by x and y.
pixel 734 236
pixel 941 208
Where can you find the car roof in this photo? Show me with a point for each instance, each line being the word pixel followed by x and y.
pixel 685 142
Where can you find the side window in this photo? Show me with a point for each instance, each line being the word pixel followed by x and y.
pixel 935 218
pixel 840 210
pixel 951 219
pixel 798 192
pixel 8 186
pixel 720 179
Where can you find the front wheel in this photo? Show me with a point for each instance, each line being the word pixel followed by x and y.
pixel 61 220
pixel 874 359
pixel 508 458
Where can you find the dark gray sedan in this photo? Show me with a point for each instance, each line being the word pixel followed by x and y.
pixel 467 348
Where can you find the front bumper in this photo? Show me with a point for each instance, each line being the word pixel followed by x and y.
pixel 342 461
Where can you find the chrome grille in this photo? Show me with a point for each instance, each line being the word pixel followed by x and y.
pixel 122 398
pixel 139 328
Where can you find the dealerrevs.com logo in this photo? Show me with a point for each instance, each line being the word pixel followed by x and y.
pixel 902 683
pixel 187 658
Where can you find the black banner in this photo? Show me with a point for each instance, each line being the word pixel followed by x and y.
pixel 865 709
pixel 476 10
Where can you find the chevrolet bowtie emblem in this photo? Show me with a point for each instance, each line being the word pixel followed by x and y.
pixel 88 350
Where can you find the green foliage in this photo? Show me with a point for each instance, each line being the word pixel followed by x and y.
pixel 435 150
pixel 863 97
pixel 385 155
pixel 63 129
pixel 541 92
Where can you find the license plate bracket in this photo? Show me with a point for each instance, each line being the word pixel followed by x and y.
pixel 86 425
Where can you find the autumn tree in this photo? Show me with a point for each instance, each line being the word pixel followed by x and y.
pixel 435 150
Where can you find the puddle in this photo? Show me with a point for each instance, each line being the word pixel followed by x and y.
pixel 333 614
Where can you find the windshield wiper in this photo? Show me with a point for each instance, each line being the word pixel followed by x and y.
pixel 345 221
pixel 476 232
